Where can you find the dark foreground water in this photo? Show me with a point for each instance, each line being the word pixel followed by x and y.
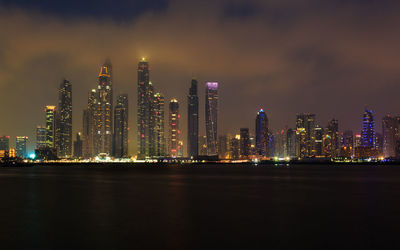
pixel 302 207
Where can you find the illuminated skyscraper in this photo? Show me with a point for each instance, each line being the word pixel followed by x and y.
pixel 4 142
pixel 121 127
pixel 159 134
pixel 20 146
pixel 193 121
pixel 40 137
pixel 174 131
pixel 319 132
pixel 50 126
pixel 262 133
pixel 64 120
pixel 211 117
pixel 89 125
pixel 103 113
pixel 331 143
pixel 368 130
pixel 145 110
pixel 305 135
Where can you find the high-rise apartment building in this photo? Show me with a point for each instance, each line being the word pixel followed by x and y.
pixel 144 112
pixel 20 146
pixel 305 135
pixel 159 134
pixel 50 126
pixel 103 135
pixel 64 120
pixel 121 112
pixel 368 130
pixel 193 121
pixel 211 117
pixel 261 134
pixel 40 137
pixel 390 128
pixel 174 131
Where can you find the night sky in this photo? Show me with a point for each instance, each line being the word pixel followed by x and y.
pixel 331 58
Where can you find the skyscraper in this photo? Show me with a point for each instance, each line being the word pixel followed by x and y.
pixel 4 142
pixel 159 134
pixel 193 121
pixel 389 130
pixel 121 127
pixel 103 113
pixel 331 139
pixel 319 132
pixel 50 126
pixel 244 143
pixel 90 126
pixel 262 133
pixel 291 143
pixel 64 120
pixel 40 137
pixel 144 113
pixel 211 110
pixel 20 146
pixel 174 131
pixel 368 130
pixel 305 135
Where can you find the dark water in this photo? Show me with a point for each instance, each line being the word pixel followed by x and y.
pixel 301 207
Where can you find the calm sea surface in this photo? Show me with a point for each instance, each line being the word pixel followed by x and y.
pixel 241 207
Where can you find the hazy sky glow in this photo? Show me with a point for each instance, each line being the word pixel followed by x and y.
pixel 330 58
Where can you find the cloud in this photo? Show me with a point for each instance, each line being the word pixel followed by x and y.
pixel 286 57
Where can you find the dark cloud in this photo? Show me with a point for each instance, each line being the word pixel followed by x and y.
pixel 327 57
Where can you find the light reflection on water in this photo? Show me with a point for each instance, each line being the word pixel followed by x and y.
pixel 192 208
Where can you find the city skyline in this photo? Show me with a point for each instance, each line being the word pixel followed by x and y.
pixel 265 70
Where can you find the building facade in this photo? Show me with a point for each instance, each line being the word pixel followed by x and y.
pixel 50 126
pixel 261 134
pixel 193 121
pixel 144 106
pixel 368 130
pixel 159 131
pixel 174 131
pixel 103 136
pixel 305 135
pixel 64 120
pixel 20 146
pixel 211 117
pixel 40 137
pixel 121 112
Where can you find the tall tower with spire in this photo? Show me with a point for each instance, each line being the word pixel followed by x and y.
pixel 104 110
pixel 145 103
